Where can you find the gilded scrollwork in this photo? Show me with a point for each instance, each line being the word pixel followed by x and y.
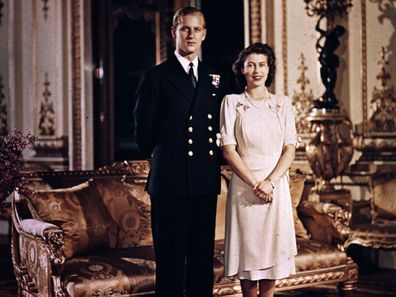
pixel 341 222
pixel 47 112
pixel 3 110
pixel 308 279
pixel 55 241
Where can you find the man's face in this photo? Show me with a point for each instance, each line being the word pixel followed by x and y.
pixel 189 34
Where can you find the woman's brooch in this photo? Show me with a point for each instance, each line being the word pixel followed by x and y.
pixel 275 108
pixel 243 106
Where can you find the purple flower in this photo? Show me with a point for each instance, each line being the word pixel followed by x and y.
pixel 11 162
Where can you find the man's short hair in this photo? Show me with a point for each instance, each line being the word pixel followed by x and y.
pixel 186 11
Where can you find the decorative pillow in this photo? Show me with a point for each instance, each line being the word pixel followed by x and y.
pixel 383 203
pixel 129 205
pixel 296 190
pixel 81 214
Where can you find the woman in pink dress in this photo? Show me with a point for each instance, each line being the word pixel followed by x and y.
pixel 258 138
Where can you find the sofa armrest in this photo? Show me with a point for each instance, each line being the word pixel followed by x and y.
pixel 37 251
pixel 50 234
pixel 326 221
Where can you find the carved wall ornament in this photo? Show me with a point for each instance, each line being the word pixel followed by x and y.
pixel 47 112
pixel 303 103
pixel 378 141
pixel 3 110
pixel 383 102
pixel 1 10
pixel 302 99
pixel 45 8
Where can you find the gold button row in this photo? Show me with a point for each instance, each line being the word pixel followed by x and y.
pixel 190 129
pixel 190 141
pixel 191 153
pixel 209 117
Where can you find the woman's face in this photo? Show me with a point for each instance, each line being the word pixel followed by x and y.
pixel 255 69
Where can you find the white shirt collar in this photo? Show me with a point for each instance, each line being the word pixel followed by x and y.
pixel 186 64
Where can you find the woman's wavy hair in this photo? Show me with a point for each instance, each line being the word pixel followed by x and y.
pixel 255 48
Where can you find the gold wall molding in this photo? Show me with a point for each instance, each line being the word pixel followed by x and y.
pixel 255 21
pixel 45 8
pixel 364 67
pixel 46 125
pixel 76 84
pixel 3 110
pixel 284 47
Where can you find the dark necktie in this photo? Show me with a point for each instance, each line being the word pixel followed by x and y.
pixel 191 75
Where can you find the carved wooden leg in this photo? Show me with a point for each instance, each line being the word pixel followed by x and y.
pixel 350 284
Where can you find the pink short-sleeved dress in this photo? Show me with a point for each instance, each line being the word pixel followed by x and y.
pixel 260 240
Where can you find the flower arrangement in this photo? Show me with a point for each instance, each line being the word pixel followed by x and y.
pixel 11 162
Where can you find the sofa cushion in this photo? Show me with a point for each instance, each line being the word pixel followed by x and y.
pixel 80 212
pixel 383 206
pixel 296 189
pixel 313 254
pixel 121 272
pixel 141 223
pixel 129 205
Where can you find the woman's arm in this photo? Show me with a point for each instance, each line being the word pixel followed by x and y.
pixel 285 161
pixel 237 165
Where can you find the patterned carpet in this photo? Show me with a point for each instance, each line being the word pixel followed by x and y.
pixel 372 283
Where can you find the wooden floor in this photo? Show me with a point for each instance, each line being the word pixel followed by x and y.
pixel 373 282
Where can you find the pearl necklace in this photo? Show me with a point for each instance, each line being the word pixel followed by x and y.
pixel 266 98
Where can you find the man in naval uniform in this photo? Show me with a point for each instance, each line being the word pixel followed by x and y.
pixel 176 114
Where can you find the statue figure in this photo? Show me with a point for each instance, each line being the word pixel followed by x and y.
pixel 329 62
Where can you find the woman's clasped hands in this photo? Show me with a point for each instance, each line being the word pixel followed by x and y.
pixel 263 190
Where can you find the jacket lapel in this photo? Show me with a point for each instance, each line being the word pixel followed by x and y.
pixel 179 78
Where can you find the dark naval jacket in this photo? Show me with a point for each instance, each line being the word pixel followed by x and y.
pixel 176 125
